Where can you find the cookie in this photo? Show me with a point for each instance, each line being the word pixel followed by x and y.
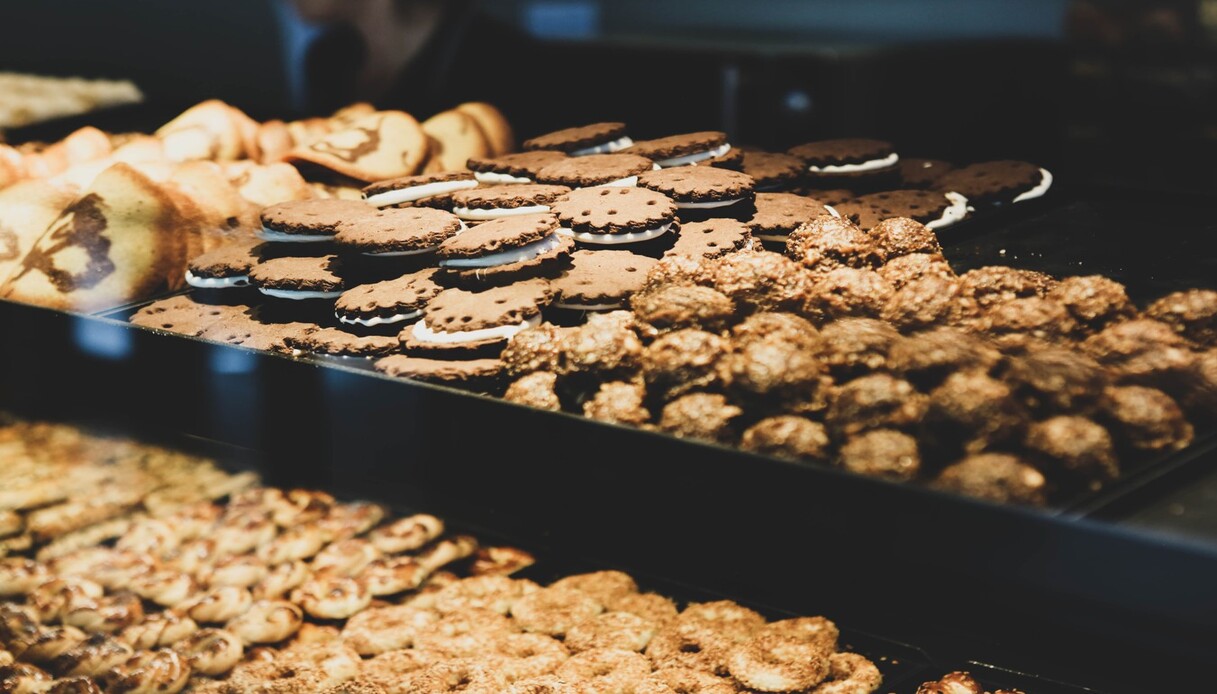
pixel 828 196
pixel 733 159
pixel 337 342
pixel 183 314
pixel 607 216
pixel 310 221
pixel 375 147
pixel 597 138
pixel 509 246
pixel 398 231
pixel 931 208
pixel 388 302
pixel 470 373
pixel 601 280
pixel 251 331
pixel 923 173
pixel 298 278
pixel 700 187
pixel 463 322
pixel 772 171
pixel 225 267
pixel 596 170
pixel 493 125
pixel 683 150
pixel 712 238
pixel 997 182
pixel 520 167
pixel 778 214
pixel 862 162
pixel 396 191
pixel 483 204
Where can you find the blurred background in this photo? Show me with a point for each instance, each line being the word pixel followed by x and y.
pixel 1118 92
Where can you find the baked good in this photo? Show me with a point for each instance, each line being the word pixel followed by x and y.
pixel 601 280
pixel 299 278
pixel 848 163
pixel 934 209
pixel 997 182
pixel 772 171
pixel 396 191
pixel 460 322
pixel 597 138
pixel 701 187
pixel 612 216
pixel 338 342
pixel 998 477
pixel 487 203
pixel 476 374
pixel 310 221
pixel 389 301
pixel 454 138
pixel 675 306
pixel 519 167
pixel 375 147
pixel 392 232
pixel 778 214
pixel 826 243
pixel 596 170
pixel 787 436
pixel 883 453
pixel 1192 313
pixel 923 173
pixel 225 267
pixel 493 124
pixel 506 249
pixel 712 238
pixel 683 150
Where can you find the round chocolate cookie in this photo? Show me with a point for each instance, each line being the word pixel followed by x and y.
pixel 340 343
pixel 923 173
pixel 683 150
pixel 596 170
pixel 505 249
pixel 460 322
pixel 493 202
pixel 399 231
pixel 520 167
pixel 396 191
pixel 387 302
pixel 298 278
pixel 607 216
pixel 778 214
pixel 252 332
pixel 310 221
pixel 772 171
pixel 849 163
pixel 224 267
pixel 700 187
pixel 478 374
pixel 828 196
pixel 931 208
pixel 601 280
pixel 997 182
pixel 183 314
pixel 733 159
pixel 712 238
pixel 597 138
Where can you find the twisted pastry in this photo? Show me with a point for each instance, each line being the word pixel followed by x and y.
pixel 345 521
pixel 243 532
pixel 406 534
pixel 300 506
pixel 150 536
pixel 771 663
pixel 345 557
pixel 500 561
pixel 332 597
pixel 380 629
pixel 240 571
pixel 150 672
pixel 158 630
pixel 74 685
pixel 494 593
pixel 19 576
pixel 297 542
pixel 218 605
pixel 267 621
pixel 92 657
pixel 23 677
pixel 105 615
pixel 165 587
pixel 51 599
pixel 850 673
pixel 44 644
pixel 211 651
pixel 281 579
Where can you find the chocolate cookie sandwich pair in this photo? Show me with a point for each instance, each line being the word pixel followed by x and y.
pixel 410 189
pixel 703 192
pixel 996 183
pixel 853 163
pixel 934 209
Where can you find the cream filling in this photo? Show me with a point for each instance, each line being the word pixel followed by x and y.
pixel 627 182
pixel 378 320
pixel 478 214
pixel 614 239
pixel 280 237
pixel 422 333
pixel 526 252
pixel 395 254
pixel 832 211
pixel 1045 184
pixel 499 178
pixel 707 205
pixel 957 211
pixel 606 148
pixel 299 293
pixel 216 282
pixel 871 165
pixel 589 307
pixel 696 157
pixel 426 190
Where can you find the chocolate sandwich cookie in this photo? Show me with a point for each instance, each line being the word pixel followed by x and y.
pixel 601 280
pixel 388 302
pixel 184 315
pixel 340 343
pixel 505 249
pixel 618 170
pixel 610 216
pixel 225 267
pixel 733 159
pixel 597 138
pixel 923 173
pixel 520 167
pixel 702 190
pixel 476 374
pixel 772 171
pixel 828 196
pixel 778 214
pixel 997 182
pixel 463 323
pixel 712 238
pixel 493 202
pixel 931 208
pixel 848 163
pixel 397 191
pixel 252 331
pixel 683 150
pixel 309 221
pixel 398 231
pixel 298 278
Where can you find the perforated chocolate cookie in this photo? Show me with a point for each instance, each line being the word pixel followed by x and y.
pixel 868 210
pixel 841 151
pixel 313 217
pixel 678 145
pixel 923 173
pixel 600 278
pixel 468 373
pixel 404 295
pixel 519 164
pixel 499 235
pixel 458 310
pixel 712 238
pixel 699 184
pixel 298 274
pixel 341 343
pixel 778 214
pixel 574 139
pixel 993 181
pixel 415 181
pixel 230 260
pixel 733 159
pixel 393 230
pixel 507 197
pixel 594 170
pixel 548 264
pixel 771 170
pixel 613 210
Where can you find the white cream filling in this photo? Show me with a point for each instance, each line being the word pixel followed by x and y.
pixel 696 157
pixel 378 320
pixel 606 148
pixel 832 211
pixel 478 214
pixel 871 165
pixel 499 178
pixel 1045 184
pixel 426 190
pixel 422 333
pixel 627 182
pixel 280 237
pixel 707 205
pixel 589 307
pixel 298 294
pixel 395 254
pixel 954 213
pixel 216 282
pixel 516 255
pixel 614 239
